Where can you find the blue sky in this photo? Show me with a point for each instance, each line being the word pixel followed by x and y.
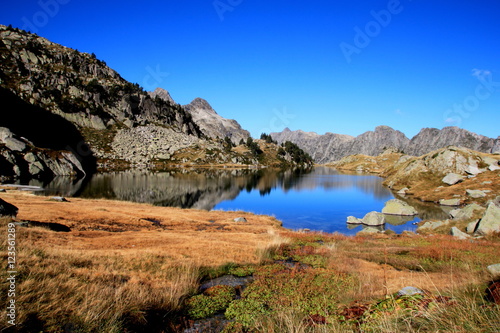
pixel 324 66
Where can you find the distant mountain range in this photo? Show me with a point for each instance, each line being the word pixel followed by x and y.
pixel 332 147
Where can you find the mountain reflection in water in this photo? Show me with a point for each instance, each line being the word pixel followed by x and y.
pixel 319 199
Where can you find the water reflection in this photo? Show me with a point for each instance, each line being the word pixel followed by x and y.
pixel 318 199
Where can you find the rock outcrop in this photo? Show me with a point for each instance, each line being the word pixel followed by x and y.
pixel 19 158
pixel 212 124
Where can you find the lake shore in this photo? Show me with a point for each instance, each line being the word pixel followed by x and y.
pixel 137 266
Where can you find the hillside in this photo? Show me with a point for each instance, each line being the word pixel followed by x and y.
pixel 67 113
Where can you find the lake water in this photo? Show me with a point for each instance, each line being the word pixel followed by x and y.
pixel 320 199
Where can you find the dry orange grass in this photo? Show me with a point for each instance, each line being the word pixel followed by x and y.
pixel 124 228
pixel 116 268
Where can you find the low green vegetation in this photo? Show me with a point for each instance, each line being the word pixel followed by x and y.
pixel 312 284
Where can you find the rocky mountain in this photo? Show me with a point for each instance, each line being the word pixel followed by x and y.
pixel 65 112
pixel 214 125
pixel 67 101
pixel 332 147
pixel 429 139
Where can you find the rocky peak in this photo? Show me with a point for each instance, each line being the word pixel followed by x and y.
pixel 212 124
pixel 429 139
pixel 201 104
pixel 163 94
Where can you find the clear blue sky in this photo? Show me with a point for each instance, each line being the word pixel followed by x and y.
pixel 325 66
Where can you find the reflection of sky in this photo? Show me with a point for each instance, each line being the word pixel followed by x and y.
pixel 318 207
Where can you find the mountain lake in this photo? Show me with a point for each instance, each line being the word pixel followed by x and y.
pixel 320 199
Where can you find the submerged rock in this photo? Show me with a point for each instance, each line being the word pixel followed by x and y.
pixel 354 220
pixel 398 207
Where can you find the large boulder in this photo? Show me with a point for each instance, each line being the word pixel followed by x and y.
pixel 7 209
pixel 467 212
pixel 490 221
pixel 398 207
pixel 374 219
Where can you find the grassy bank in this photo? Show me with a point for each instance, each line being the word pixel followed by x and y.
pixel 129 267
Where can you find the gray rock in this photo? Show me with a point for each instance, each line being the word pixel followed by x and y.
pixel 7 209
pixel 490 221
pixel 432 225
pixel 457 233
pixel 354 220
pixel 473 170
pixel 467 212
pixel 14 144
pixel 471 227
pixel 5 133
pixel 398 207
pixel 2 190
pixel 410 291
pixel 240 219
pixel 374 219
pixel 493 167
pixel 476 194
pixel 452 179
pixel 494 270
pixel 450 202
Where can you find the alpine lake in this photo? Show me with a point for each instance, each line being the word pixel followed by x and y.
pixel 319 199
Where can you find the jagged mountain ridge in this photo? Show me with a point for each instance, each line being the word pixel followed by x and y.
pixel 332 147
pixel 209 121
pixel 212 124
